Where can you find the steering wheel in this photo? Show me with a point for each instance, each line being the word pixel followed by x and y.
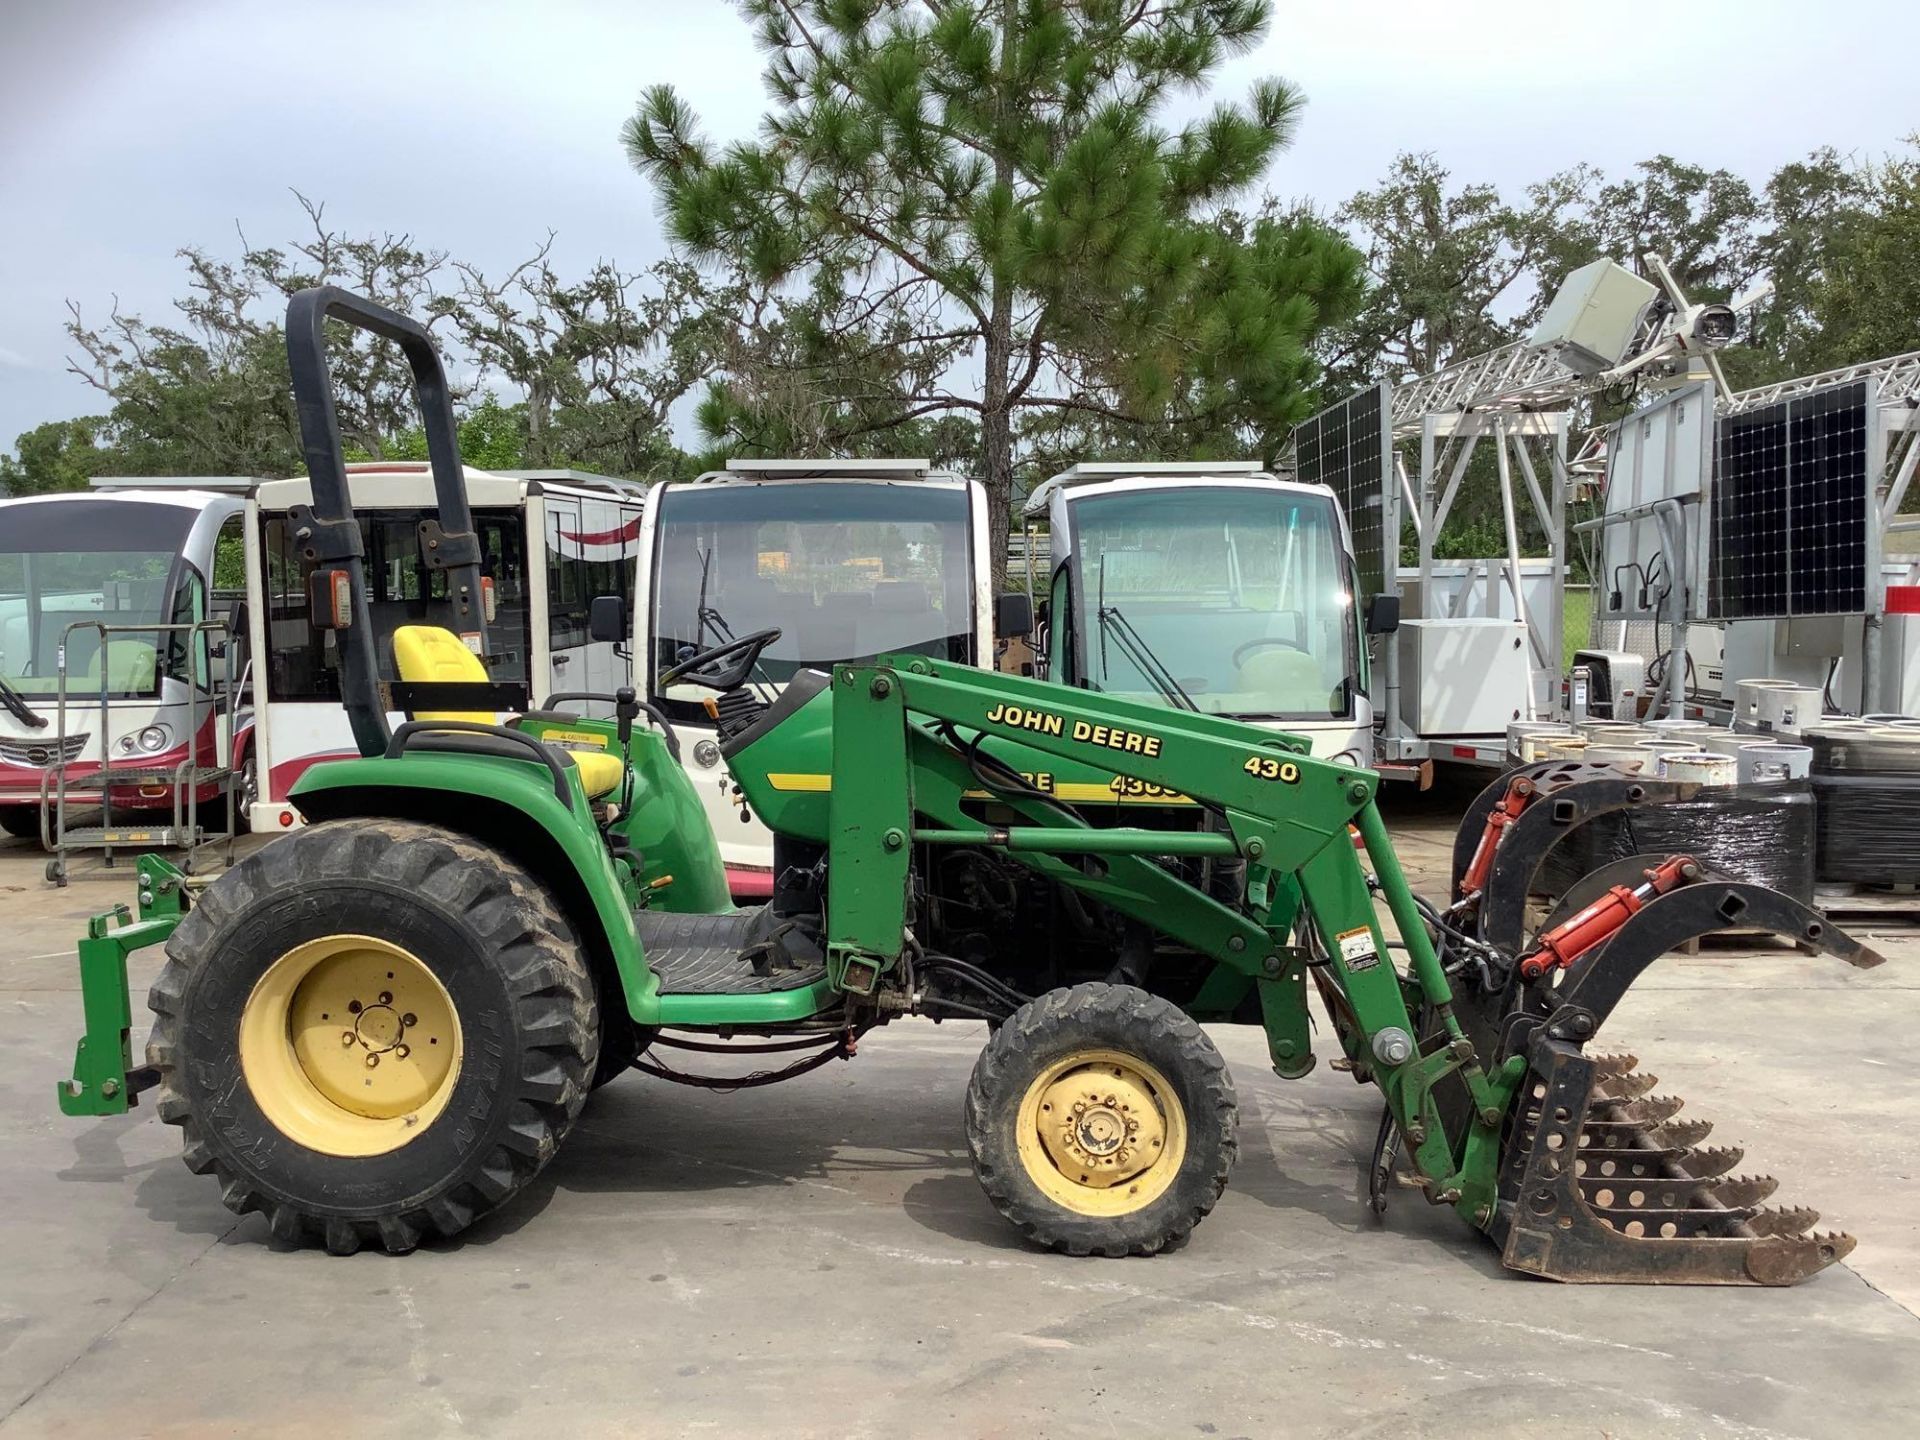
pixel 703 669
pixel 1265 642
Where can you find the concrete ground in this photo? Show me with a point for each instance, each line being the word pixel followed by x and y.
pixel 817 1260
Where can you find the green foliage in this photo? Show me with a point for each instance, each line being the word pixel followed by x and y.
pixel 970 210
pixel 492 437
pixel 58 455
pixel 1449 266
pixel 599 362
pixel 1863 297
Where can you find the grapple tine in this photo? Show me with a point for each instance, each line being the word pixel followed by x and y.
pixel 1629 1086
pixel 1604 1136
pixel 1609 1067
pixel 1681 1134
pixel 1783 1220
pixel 1641 1204
pixel 1671 1224
pixel 1653 1164
pixel 1654 1110
pixel 1789 1259
pixel 1713 1160
pixel 1741 1189
pixel 1676 1192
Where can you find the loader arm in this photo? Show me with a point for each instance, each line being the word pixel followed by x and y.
pixel 1499 1111
pixel 1291 817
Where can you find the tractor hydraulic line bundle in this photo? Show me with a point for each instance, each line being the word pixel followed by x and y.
pixel 381 1026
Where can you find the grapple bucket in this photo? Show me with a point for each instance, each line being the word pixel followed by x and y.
pixel 1602 1178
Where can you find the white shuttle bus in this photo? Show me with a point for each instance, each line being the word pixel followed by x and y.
pixel 551 541
pixel 146 729
pixel 848 559
pixel 1234 585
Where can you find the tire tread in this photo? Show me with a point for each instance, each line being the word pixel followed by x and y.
pixel 1096 1014
pixel 538 959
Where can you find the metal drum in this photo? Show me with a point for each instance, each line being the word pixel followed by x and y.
pixel 1789 709
pixel 1768 764
pixel 1527 740
pixel 1699 767
pixel 1746 698
pixel 1660 749
pixel 1630 758
pixel 1567 747
pixel 1599 729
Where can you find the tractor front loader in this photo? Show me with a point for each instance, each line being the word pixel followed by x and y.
pixel 380 1027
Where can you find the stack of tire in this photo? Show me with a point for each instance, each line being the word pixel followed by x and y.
pixel 1866 778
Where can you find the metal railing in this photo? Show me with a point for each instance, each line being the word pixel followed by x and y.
pixel 60 791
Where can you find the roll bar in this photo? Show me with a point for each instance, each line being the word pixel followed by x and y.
pixel 326 530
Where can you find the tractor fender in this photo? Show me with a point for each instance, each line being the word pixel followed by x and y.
pixel 509 807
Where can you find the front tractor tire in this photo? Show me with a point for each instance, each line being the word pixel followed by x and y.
pixel 1102 1121
pixel 373 1032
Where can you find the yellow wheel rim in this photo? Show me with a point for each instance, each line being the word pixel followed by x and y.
pixel 1102 1133
pixel 350 1045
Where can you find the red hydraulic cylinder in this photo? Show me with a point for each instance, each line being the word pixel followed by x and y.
pixel 1509 808
pixel 1577 934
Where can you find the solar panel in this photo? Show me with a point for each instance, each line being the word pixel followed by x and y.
pixel 1349 447
pixel 1793 487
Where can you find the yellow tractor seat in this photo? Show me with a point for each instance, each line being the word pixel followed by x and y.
pixel 428 654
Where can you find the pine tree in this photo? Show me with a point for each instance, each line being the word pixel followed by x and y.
pixel 969 207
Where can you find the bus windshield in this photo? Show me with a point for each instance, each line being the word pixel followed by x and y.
pixel 1242 593
pixel 109 561
pixel 845 570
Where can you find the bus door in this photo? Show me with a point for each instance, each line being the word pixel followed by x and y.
pixel 592 545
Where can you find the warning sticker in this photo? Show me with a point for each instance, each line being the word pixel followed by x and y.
pixel 575 739
pixel 1357 949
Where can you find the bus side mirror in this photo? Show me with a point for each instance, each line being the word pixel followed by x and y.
pixel 607 618
pixel 1012 614
pixel 236 638
pixel 1383 614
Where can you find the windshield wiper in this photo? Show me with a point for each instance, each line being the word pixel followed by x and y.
pixel 17 707
pixel 1134 646
pixel 706 618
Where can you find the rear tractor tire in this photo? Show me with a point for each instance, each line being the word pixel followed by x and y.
pixel 1102 1121
pixel 373 1032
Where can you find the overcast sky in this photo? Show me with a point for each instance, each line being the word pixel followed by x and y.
pixel 129 128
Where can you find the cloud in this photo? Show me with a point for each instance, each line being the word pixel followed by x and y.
pixel 14 360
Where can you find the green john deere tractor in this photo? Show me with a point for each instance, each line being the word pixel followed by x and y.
pixel 380 1027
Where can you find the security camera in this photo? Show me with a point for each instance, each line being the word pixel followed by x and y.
pixel 1714 326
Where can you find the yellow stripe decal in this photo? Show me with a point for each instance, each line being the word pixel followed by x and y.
pixel 1069 790
pixel 798 782
pixel 1099 794
pixel 788 781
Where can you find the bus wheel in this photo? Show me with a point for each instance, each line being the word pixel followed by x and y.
pixel 246 792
